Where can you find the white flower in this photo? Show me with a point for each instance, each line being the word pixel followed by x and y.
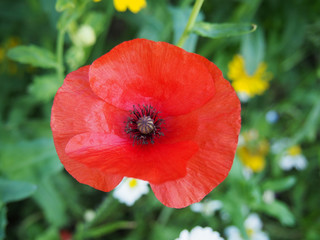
pixel 253 222
pixel 233 233
pixel 199 233
pixel 207 208
pixel 293 158
pixel 280 145
pixel 85 36
pixel 247 173
pixel 289 162
pixel 130 190
pixel 268 196
pixel 89 215
pixel 253 227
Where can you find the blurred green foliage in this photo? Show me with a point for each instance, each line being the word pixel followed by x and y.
pixel 43 40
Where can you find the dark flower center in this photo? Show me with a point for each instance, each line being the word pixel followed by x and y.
pixel 144 125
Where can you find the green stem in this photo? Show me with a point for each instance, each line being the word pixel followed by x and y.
pixel 102 211
pixel 108 228
pixel 192 19
pixel 100 45
pixel 165 215
pixel 60 65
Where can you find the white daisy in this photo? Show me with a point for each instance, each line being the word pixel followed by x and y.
pixel 198 233
pixel 85 36
pixel 253 226
pixel 130 190
pixel 268 196
pixel 293 158
pixel 89 215
pixel 207 208
pixel 280 145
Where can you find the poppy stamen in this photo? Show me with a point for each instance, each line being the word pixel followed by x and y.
pixel 144 125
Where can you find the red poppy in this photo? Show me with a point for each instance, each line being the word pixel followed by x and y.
pixel 152 111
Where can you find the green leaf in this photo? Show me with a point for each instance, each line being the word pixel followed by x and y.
pixel 3 221
pixel 311 125
pixel 222 30
pixel 75 57
pixel 36 161
pixel 50 234
pixel 97 21
pixel 108 228
pixel 52 203
pixel 30 161
pixel 236 173
pixel 44 87
pixel 62 5
pixel 280 211
pixel 180 17
pixel 34 55
pixel 164 232
pixel 11 191
pixel 279 185
pixel 252 50
pixel 151 28
pixel 71 15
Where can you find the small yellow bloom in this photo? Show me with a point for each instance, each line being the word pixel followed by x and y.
pixel 255 161
pixel 133 5
pixel 245 84
pixel 97 0
pixel 294 150
pixel 252 151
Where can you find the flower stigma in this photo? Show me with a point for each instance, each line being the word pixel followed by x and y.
pixel 144 125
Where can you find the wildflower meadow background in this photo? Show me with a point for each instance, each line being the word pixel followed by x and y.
pixel 267 49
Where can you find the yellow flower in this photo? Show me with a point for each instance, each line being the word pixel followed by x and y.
pixel 252 151
pixel 133 5
pixel 255 161
pixel 294 150
pixel 247 85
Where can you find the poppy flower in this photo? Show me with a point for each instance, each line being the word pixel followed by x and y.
pixel 151 111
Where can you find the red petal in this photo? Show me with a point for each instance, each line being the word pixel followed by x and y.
pixel 76 110
pixel 111 154
pixel 218 126
pixel 157 73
